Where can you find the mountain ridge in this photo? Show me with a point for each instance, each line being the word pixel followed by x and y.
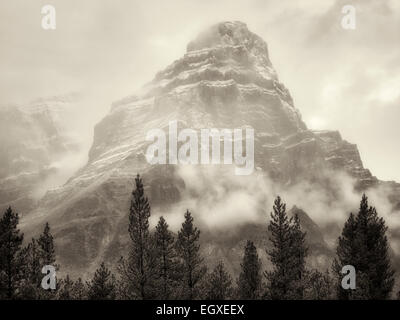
pixel 225 80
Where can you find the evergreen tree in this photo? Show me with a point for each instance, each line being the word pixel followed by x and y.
pixel 33 258
pixel 363 244
pixel 65 291
pixel 345 251
pixel 278 280
pixel 288 255
pixel 192 263
pixel 46 245
pixel 79 291
pixel 126 290
pixel 249 282
pixel 31 270
pixel 102 286
pixel 297 262
pixel 138 271
pixel 218 284
pixel 374 258
pixel 166 260
pixel 318 285
pixel 10 245
pixel 33 263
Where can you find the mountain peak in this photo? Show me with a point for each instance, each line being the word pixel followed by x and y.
pixel 227 52
pixel 223 33
pixel 223 81
pixel 230 34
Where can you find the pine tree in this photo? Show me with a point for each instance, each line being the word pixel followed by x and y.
pixel 363 244
pixel 345 251
pixel 278 280
pixel 138 271
pixel 297 262
pixel 47 257
pixel 249 282
pixel 46 246
pixel 318 285
pixel 188 250
pixel 31 269
pixel 66 287
pixel 288 255
pixel 377 262
pixel 10 245
pixel 79 291
pixel 166 260
pixel 126 289
pixel 102 286
pixel 218 284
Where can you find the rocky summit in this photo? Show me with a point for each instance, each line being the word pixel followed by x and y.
pixel 224 80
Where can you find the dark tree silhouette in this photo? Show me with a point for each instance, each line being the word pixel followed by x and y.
pixel 218 284
pixel 318 285
pixel 138 272
pixel 30 288
pixel 250 282
pixel 288 254
pixel 188 250
pixel 46 245
pixel 65 290
pixel 79 291
pixel 166 272
pixel 10 244
pixel 363 244
pixel 102 286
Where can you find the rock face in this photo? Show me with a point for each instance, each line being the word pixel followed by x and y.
pixel 225 80
pixel 35 139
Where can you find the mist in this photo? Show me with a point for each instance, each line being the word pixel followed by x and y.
pixel 221 201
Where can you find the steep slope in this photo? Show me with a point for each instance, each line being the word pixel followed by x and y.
pixel 225 80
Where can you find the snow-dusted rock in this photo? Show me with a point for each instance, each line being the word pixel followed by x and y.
pixel 224 80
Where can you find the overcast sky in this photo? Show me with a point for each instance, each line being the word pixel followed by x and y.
pixel 347 80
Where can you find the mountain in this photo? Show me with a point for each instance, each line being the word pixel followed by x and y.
pixel 36 140
pixel 224 80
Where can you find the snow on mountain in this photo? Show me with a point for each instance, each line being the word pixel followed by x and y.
pixel 224 80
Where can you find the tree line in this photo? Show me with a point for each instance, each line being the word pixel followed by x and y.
pixel 165 266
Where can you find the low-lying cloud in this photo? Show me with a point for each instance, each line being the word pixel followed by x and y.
pixel 220 200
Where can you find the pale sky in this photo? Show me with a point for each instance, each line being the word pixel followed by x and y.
pixel 347 80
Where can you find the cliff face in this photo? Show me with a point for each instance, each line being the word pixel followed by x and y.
pixel 225 80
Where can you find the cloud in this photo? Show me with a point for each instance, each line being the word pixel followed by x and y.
pixel 345 80
pixel 219 200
